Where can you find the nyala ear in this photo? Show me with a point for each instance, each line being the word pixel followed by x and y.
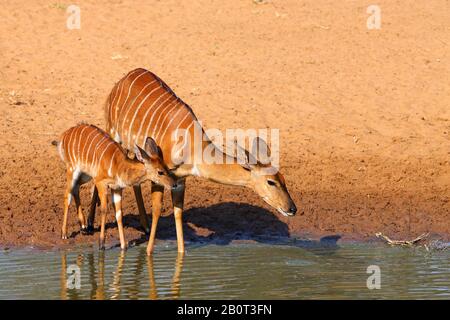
pixel 151 148
pixel 245 158
pixel 261 150
pixel 141 155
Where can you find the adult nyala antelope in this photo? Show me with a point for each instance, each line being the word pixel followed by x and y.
pixel 141 105
pixel 90 153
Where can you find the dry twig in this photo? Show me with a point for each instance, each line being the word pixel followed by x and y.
pixel 401 242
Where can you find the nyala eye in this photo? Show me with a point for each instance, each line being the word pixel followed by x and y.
pixel 161 173
pixel 271 182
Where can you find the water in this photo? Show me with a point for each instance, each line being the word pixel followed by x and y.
pixel 247 271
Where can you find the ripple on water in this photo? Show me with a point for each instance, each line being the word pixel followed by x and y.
pixel 252 271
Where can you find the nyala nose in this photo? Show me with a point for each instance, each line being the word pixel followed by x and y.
pixel 174 186
pixel 293 209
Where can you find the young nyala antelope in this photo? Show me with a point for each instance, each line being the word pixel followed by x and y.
pixel 90 153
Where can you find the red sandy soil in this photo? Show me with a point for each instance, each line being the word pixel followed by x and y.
pixel 364 115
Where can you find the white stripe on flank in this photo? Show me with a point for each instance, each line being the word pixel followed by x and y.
pixel 61 146
pixel 159 114
pixel 132 84
pixel 74 144
pixel 138 134
pixel 97 148
pixel 114 104
pixel 66 145
pixel 111 163
pixel 83 155
pixel 189 127
pixel 163 112
pixel 80 138
pixel 134 101
pixel 104 150
pixel 110 100
pixel 60 151
pixel 120 95
pixel 171 120
pixel 137 110
pixel 153 113
pixel 88 161
pixel 167 113
pixel 181 122
pixel 68 149
pixel 187 134
pixel 186 129
pixel 128 95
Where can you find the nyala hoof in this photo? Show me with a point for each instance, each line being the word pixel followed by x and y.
pixel 146 230
pixel 88 230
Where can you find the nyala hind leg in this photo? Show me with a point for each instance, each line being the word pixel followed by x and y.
pixel 91 216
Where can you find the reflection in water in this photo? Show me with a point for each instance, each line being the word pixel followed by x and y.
pixel 152 293
pixel 69 293
pixel 63 283
pixel 175 290
pixel 96 277
pixel 115 285
pixel 176 286
pixel 253 271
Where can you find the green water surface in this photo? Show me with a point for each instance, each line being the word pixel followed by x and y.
pixel 233 271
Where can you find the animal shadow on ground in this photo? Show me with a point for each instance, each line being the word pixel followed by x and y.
pixel 222 223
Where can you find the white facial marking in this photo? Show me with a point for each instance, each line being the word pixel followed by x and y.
pixel 282 212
